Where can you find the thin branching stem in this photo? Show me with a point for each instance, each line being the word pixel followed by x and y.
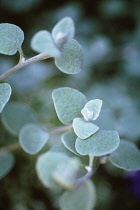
pixel 22 64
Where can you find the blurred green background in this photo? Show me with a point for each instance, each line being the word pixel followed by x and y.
pixel 109 32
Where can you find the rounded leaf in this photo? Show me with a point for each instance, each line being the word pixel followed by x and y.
pixel 6 163
pixel 47 164
pixel 68 103
pixel 5 93
pixel 32 138
pixel 84 129
pixel 101 143
pixel 42 42
pixel 92 109
pixel 127 156
pixel 71 59
pixel 16 115
pixel 11 38
pixel 63 31
pixel 81 198
pixel 68 139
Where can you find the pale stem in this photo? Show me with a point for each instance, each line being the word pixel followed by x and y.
pixel 22 64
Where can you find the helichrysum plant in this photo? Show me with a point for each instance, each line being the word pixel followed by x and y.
pixel 83 147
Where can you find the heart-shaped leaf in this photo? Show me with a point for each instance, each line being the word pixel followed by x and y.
pixel 63 31
pixel 71 59
pixel 68 103
pixel 92 109
pixel 5 93
pixel 68 139
pixel 32 138
pixel 127 156
pixel 11 38
pixel 82 198
pixel 16 115
pixel 6 163
pixel 84 129
pixel 42 42
pixel 99 144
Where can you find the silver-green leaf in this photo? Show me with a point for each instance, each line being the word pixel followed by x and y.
pixel 82 198
pixel 5 93
pixel 47 165
pixel 68 103
pixel 42 42
pixel 63 31
pixel 11 38
pixel 71 59
pixel 6 163
pixel 32 138
pixel 101 143
pixel 68 139
pixel 84 129
pixel 127 156
pixel 16 115
pixel 92 109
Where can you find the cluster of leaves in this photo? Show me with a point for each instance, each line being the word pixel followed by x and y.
pixel 61 165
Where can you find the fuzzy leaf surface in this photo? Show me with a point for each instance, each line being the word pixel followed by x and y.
pixel 5 93
pixel 68 103
pixel 11 38
pixel 84 129
pixel 68 139
pixel 101 143
pixel 71 59
pixel 92 109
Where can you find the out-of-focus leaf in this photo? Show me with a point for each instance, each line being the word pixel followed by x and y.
pixel 32 138
pixel 127 156
pixel 82 198
pixel 6 163
pixel 16 115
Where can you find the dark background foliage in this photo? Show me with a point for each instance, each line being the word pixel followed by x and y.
pixel 109 32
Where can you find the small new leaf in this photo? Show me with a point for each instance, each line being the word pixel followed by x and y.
pixel 42 42
pixel 127 156
pixel 32 138
pixel 6 163
pixel 84 129
pixel 5 93
pixel 63 31
pixel 68 103
pixel 71 59
pixel 11 38
pixel 82 198
pixel 92 109
pixel 99 144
